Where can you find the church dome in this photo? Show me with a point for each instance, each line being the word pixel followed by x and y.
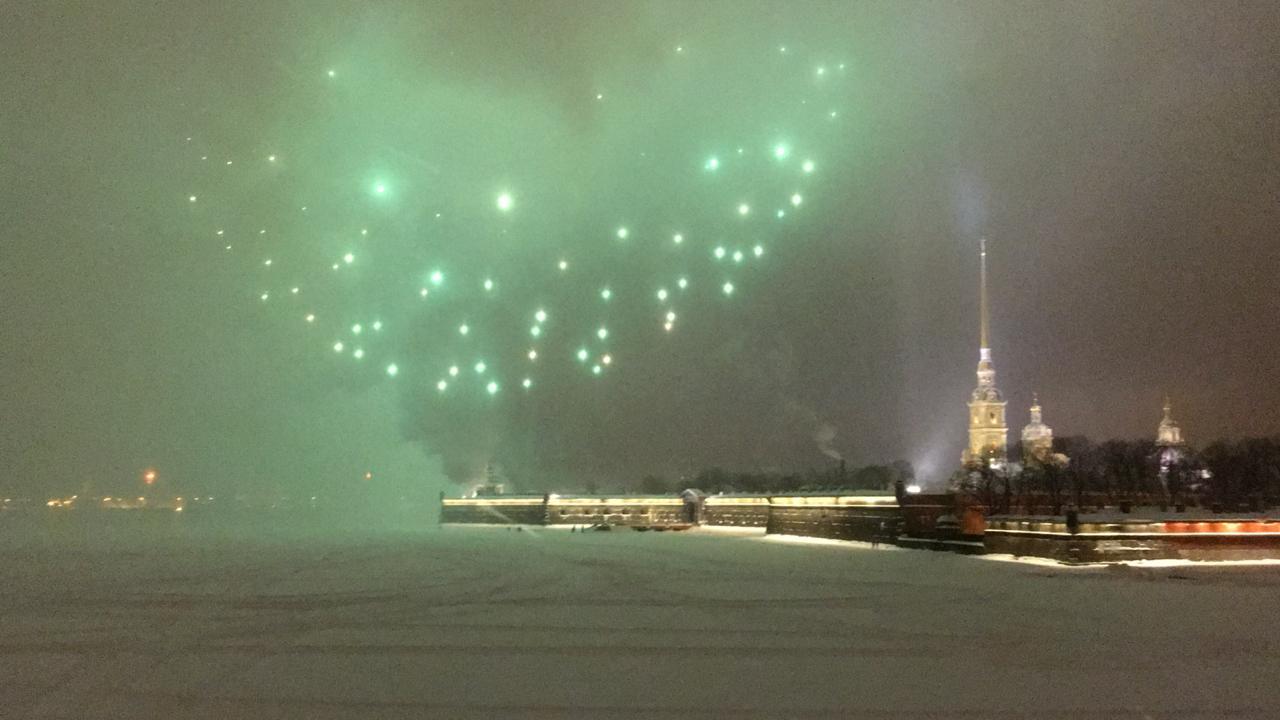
pixel 1037 438
pixel 1168 434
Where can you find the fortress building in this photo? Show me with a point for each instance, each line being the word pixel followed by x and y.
pixel 988 433
pixel 1037 438
pixel 1170 446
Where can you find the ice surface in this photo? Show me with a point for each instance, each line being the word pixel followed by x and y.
pixel 484 622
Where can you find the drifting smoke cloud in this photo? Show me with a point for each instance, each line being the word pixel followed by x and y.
pixel 824 436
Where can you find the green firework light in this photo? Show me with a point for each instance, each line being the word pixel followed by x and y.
pixel 509 239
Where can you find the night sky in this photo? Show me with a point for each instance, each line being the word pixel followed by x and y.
pixel 1123 159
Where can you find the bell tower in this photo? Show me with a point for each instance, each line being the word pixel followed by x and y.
pixel 988 432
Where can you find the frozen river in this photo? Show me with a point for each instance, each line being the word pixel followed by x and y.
pixel 487 623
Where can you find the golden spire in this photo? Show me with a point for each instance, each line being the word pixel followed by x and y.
pixel 983 342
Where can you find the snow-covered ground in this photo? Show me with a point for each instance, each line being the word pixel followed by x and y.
pixel 484 622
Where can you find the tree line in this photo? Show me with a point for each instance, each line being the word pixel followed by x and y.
pixel 1227 475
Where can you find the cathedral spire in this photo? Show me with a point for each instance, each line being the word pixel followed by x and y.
pixel 988 434
pixel 984 344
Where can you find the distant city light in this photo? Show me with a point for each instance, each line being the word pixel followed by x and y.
pixel 743 209
pixel 727 288
pixel 392 370
pixel 505 202
pixel 622 233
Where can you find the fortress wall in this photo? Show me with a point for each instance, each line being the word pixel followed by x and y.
pixel 1114 540
pixel 849 517
pixel 735 511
